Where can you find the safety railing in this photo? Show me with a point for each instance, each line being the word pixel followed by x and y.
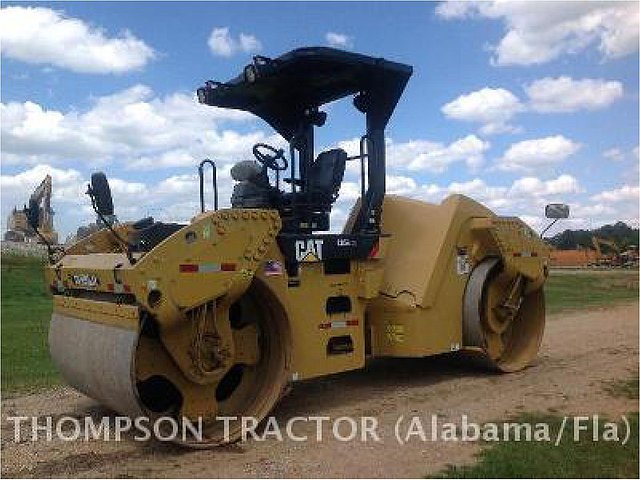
pixel 214 171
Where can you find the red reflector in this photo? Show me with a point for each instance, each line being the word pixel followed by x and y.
pixel 228 267
pixel 324 326
pixel 110 286
pixel 188 268
pixel 352 323
pixel 127 289
pixel 534 254
pixel 517 254
pixel 374 251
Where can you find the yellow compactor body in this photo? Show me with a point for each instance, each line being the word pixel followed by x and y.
pixel 211 323
pixel 216 318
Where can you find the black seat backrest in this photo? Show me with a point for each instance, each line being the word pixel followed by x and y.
pixel 326 174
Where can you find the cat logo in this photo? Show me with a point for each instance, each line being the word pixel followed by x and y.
pixel 309 250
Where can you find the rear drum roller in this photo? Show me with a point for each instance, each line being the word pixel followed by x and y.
pixel 501 317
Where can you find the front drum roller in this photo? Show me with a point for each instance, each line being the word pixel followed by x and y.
pixel 501 317
pixel 133 374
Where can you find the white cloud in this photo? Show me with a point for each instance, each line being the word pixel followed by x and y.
pixel 614 154
pixel 533 186
pixel 617 204
pixel 562 185
pixel 538 32
pixel 453 10
pixel 624 193
pixel 400 185
pixel 494 108
pixel 593 210
pixel 425 155
pixel 520 194
pixel 249 43
pixel 338 40
pixel 529 155
pixel 491 107
pixel 39 35
pixel 493 196
pixel 133 127
pixel 395 185
pixel 222 43
pixel 563 94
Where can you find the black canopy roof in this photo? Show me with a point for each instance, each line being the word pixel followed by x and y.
pixel 280 90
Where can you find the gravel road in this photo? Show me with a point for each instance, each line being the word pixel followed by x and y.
pixel 581 350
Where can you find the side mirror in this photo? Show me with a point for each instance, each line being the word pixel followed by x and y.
pixel 33 214
pixel 556 211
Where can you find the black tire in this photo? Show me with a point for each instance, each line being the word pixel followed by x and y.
pixel 102 193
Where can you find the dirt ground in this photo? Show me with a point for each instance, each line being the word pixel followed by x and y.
pixel 580 351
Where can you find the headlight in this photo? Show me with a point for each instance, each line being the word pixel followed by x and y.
pixel 250 73
pixel 202 95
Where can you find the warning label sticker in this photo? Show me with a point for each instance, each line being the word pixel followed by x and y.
pixel 463 266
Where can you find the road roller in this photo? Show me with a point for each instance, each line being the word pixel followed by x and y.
pixel 222 315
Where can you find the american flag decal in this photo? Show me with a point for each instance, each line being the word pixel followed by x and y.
pixel 273 267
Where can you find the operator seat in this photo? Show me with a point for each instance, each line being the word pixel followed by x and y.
pixel 326 175
pixel 312 207
pixel 253 189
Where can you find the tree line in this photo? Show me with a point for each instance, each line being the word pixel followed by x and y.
pixel 621 233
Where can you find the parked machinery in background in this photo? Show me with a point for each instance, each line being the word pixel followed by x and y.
pixel 612 256
pixel 18 227
pixel 630 257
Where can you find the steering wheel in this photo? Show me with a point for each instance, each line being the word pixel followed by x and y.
pixel 270 160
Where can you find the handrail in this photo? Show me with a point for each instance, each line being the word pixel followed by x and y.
pixel 215 183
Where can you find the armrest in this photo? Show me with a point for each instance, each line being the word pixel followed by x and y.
pixel 296 181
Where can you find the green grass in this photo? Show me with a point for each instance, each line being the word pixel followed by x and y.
pixel 26 311
pixel 582 459
pixel 589 289
pixel 624 388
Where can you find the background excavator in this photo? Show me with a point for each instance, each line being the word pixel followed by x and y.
pixel 609 259
pixel 218 316
pixel 18 225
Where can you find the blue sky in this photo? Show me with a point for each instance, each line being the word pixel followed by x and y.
pixel 515 105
